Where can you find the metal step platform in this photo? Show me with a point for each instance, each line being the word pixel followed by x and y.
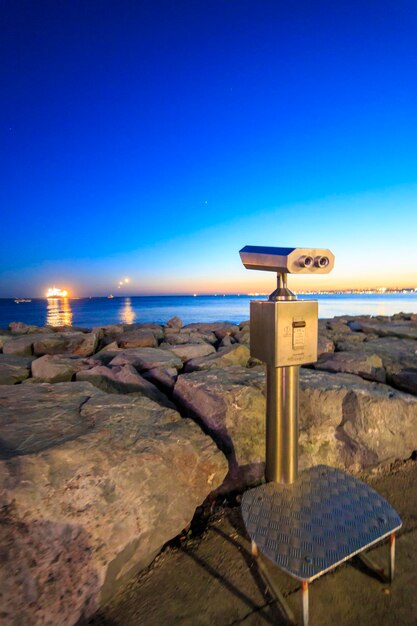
pixel 310 526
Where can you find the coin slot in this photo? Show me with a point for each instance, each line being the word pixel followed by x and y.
pixel 298 334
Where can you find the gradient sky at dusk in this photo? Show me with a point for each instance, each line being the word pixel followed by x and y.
pixel 154 139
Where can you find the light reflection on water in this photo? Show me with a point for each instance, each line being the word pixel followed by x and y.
pixel 90 312
pixel 127 314
pixel 58 312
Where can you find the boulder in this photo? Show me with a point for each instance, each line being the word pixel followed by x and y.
pixel 368 366
pixel 20 345
pixel 237 354
pixel 54 368
pixel 403 329
pixel 156 329
pixel 106 354
pixel 189 351
pixel 137 339
pixel 353 424
pixel 3 338
pixel 181 338
pixel 174 322
pixel 324 345
pixel 406 380
pixel 194 336
pixel 163 378
pixel 79 343
pixel 226 342
pixel 344 421
pixel 396 354
pixel 92 486
pixel 220 329
pixel 13 369
pixel 122 379
pixel 147 359
pixel 19 328
pixel 230 405
pixel 242 336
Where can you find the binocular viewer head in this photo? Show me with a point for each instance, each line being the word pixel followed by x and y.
pixel 287 260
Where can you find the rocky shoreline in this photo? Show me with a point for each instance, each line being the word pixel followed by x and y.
pixel 113 436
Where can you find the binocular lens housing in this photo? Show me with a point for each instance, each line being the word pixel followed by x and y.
pixel 322 261
pixel 306 261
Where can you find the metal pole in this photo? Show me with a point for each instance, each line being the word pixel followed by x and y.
pixel 304 600
pixel 282 391
pixel 282 398
pixel 391 557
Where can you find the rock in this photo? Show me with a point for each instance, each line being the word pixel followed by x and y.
pixel 367 366
pixel 3 338
pixel 147 359
pixel 226 342
pixel 396 354
pixel 227 329
pixel 181 338
pixel 163 378
pixel 324 345
pixel 237 354
pixel 189 351
pixel 137 339
pixel 20 346
pixel 81 344
pixel 106 354
pixel 406 380
pixel 230 405
pixel 92 487
pixel 218 328
pixel 157 329
pixel 19 328
pixel 13 369
pixel 122 379
pixel 195 336
pixel 353 424
pixel 53 368
pixel 242 336
pixel 174 322
pixel 402 329
pixel 344 421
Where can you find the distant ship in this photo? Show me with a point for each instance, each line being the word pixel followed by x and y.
pixel 19 300
pixel 111 296
pixel 54 292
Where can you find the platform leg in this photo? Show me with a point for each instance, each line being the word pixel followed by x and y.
pixel 304 600
pixel 391 556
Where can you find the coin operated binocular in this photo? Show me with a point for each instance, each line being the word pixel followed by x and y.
pixel 284 335
pixel 311 523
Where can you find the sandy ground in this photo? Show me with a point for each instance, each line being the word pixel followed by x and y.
pixel 211 579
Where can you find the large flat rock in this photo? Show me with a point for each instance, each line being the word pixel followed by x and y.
pixel 344 421
pixel 230 404
pixel 78 343
pixel 396 354
pixel 368 366
pixel 92 485
pixel 403 329
pixel 14 369
pixel 237 354
pixel 147 358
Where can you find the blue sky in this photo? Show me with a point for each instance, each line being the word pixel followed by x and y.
pixel 154 139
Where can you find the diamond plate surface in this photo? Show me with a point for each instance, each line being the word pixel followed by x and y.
pixel 319 521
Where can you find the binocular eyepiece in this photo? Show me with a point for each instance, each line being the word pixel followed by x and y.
pixel 287 260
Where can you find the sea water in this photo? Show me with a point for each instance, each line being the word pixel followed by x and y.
pixel 88 312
